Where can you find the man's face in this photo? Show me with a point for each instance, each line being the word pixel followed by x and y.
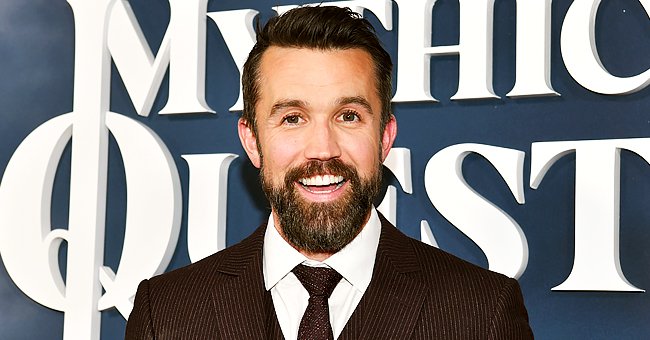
pixel 320 144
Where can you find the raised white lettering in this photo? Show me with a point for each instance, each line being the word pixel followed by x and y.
pixel 398 162
pixel 596 263
pixel 415 50
pixel 183 47
pixel 236 27
pixel 533 50
pixel 206 211
pixel 580 54
pixel 492 229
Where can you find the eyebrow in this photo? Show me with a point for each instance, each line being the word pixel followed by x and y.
pixel 356 100
pixel 286 103
pixel 291 103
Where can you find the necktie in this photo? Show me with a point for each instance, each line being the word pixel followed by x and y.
pixel 319 283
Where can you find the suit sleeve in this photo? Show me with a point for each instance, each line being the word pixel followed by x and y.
pixel 139 326
pixel 510 319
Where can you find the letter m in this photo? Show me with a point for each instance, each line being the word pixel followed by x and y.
pixel 182 49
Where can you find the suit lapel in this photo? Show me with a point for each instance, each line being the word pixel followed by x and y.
pixel 391 305
pixel 389 308
pixel 273 330
pixel 244 309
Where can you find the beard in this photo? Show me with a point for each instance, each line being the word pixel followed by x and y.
pixel 322 227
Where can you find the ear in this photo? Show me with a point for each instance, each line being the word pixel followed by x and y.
pixel 249 141
pixel 388 137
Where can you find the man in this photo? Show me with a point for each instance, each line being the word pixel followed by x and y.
pixel 317 122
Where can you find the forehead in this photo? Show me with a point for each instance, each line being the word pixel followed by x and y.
pixel 316 75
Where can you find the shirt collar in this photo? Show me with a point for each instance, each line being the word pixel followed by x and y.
pixel 355 262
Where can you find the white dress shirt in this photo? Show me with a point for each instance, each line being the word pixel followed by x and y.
pixel 355 262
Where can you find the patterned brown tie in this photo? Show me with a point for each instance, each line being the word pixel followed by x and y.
pixel 319 283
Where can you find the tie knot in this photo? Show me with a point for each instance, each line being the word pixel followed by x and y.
pixel 318 281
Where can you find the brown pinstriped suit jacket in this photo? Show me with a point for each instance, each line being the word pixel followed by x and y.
pixel 416 292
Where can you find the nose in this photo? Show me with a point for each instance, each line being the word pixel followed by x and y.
pixel 322 142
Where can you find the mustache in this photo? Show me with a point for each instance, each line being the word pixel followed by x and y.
pixel 316 167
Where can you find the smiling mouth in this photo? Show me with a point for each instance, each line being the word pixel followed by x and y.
pixel 322 184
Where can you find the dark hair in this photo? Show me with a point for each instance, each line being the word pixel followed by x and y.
pixel 322 28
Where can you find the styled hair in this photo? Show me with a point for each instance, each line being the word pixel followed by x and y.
pixel 321 28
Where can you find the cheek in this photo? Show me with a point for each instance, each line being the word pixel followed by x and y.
pixel 279 155
pixel 363 153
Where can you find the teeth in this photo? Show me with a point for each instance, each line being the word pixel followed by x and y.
pixel 321 180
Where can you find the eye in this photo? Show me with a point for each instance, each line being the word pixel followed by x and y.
pixel 291 119
pixel 349 116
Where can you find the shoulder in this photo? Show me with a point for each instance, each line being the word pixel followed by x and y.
pixel 491 302
pixel 434 264
pixel 446 276
pixel 212 269
pixel 486 302
pixel 182 300
pixel 461 280
pixel 434 261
